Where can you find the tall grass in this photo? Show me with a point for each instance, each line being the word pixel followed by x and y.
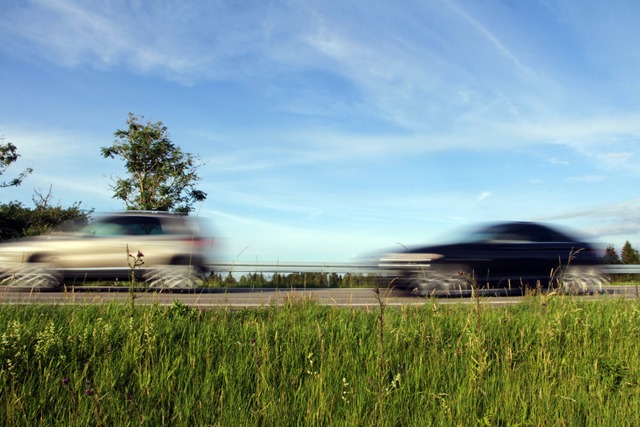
pixel 548 361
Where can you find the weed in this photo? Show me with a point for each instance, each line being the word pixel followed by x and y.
pixel 135 261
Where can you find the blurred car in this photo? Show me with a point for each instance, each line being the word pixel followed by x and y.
pixel 513 255
pixel 162 249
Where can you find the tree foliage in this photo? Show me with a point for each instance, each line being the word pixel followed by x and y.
pixel 18 221
pixel 161 176
pixel 611 256
pixel 8 155
pixel 629 254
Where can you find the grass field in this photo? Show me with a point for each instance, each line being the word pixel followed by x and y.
pixel 552 360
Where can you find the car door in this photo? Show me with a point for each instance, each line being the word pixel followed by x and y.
pixel 514 253
pixel 102 248
pixel 146 234
pixel 530 253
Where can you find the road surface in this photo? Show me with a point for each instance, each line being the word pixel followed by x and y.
pixel 246 298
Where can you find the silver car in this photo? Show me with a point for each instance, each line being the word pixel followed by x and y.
pixel 158 249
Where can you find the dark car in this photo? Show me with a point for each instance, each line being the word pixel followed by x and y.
pixel 511 255
pixel 161 249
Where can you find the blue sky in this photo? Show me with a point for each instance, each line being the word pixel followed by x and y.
pixel 332 129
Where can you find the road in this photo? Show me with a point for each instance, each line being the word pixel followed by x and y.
pixel 246 298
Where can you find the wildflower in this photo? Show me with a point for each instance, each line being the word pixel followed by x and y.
pixel 346 391
pixel 310 369
pixel 89 392
pixel 396 381
pixel 66 381
pixel 140 254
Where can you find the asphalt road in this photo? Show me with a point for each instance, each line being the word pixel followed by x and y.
pixel 245 298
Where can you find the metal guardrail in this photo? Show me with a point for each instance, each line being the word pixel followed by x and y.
pixel 347 267
pixel 621 269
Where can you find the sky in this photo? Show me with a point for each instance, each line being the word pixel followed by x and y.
pixel 329 130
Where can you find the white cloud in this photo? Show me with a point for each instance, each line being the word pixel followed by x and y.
pixel 578 131
pixel 556 161
pixel 587 178
pixel 483 196
pixel 613 160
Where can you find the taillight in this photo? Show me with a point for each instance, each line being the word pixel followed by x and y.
pixel 201 243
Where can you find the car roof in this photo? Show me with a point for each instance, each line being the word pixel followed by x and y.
pixel 143 212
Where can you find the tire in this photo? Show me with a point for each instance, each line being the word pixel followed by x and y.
pixel 32 276
pixel 174 276
pixel 440 280
pixel 582 279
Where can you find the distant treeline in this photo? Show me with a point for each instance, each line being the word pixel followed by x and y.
pixel 628 255
pixel 307 280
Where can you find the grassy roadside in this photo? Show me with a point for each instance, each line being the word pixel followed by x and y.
pixel 548 361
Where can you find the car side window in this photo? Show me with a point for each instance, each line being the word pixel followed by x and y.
pixel 511 237
pixel 141 226
pixel 104 229
pixel 535 233
pixel 508 234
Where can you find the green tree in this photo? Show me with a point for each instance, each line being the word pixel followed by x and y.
pixel 230 281
pixel 611 256
pixel 335 280
pixel 8 155
pixel 18 221
pixel 254 280
pixel 629 254
pixel 278 280
pixel 161 176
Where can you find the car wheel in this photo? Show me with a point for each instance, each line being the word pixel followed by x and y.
pixel 582 278
pixel 32 276
pixel 440 279
pixel 174 276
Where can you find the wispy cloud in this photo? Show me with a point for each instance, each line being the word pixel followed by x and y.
pixel 556 161
pixel 587 178
pixel 613 222
pixel 484 32
pixel 483 196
